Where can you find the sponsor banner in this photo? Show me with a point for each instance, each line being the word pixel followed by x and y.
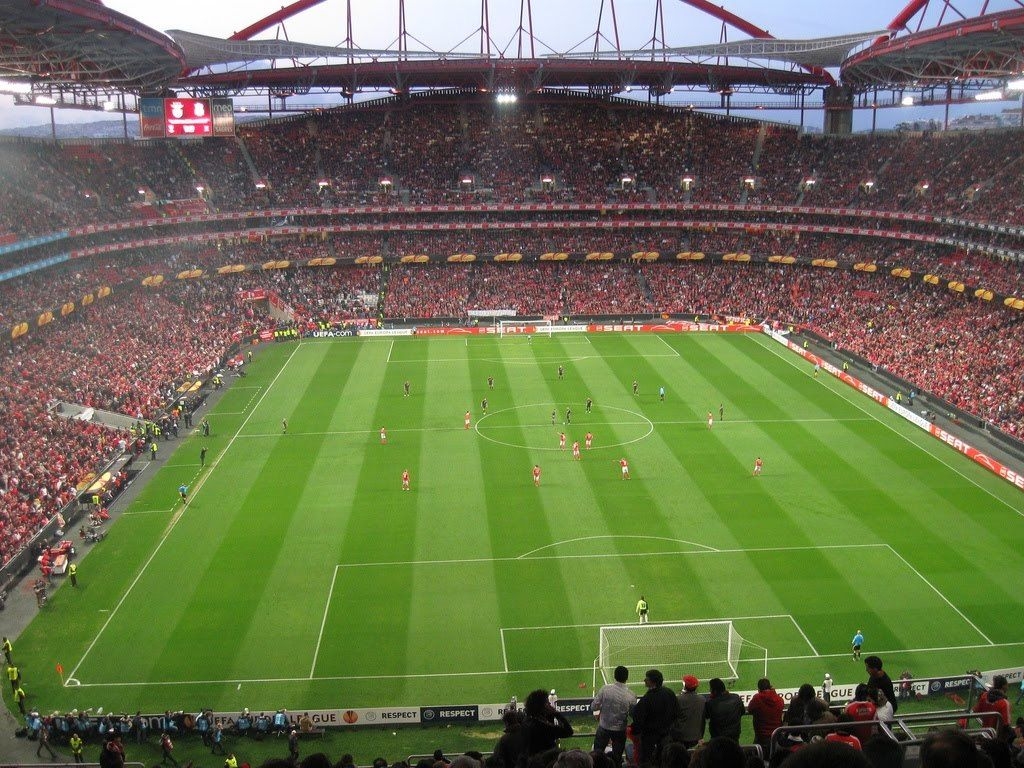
pixel 938 685
pixel 458 330
pixel 1010 475
pixel 1013 675
pixel 674 326
pixel 266 335
pixel 841 692
pixel 509 330
pixel 491 313
pixel 574 707
pixel 384 332
pixel 909 415
pixel 332 333
pixel 385 716
pixel 464 714
pixel 569 328
pixel 321 718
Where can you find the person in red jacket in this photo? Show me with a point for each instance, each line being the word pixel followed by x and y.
pixel 994 700
pixel 765 708
pixel 861 710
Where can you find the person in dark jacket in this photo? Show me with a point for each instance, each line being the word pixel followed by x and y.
pixel 510 744
pixel 879 678
pixel 542 727
pixel 798 706
pixel 723 711
pixel 653 716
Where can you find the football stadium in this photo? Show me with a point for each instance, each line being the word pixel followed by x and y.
pixel 554 407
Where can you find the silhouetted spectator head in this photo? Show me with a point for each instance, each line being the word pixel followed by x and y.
pixel 574 758
pixel 883 752
pixel 806 692
pixel 764 684
pixel 717 686
pixel 948 748
pixel 674 755
pixel 655 678
pixel 827 754
pixel 719 752
pixel 536 703
pixel 621 674
pixel 872 664
pixel 997 751
pixel 465 761
pixel 316 760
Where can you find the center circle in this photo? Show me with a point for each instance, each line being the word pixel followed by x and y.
pixel 539 434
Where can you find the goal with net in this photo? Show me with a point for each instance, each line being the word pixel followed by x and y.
pixel 524 328
pixel 703 648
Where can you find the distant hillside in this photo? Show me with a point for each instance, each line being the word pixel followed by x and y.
pixel 101 129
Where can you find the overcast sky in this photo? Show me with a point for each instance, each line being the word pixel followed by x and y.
pixel 559 26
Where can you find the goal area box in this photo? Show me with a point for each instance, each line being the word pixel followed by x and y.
pixel 703 648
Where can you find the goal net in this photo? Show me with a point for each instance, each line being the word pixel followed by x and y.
pixel 705 649
pixel 524 328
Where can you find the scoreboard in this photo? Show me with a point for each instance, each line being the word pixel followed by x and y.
pixel 186 117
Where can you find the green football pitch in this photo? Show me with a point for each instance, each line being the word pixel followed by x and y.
pixel 301 575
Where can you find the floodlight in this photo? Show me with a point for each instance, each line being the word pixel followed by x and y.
pixel 11 86
pixel 988 96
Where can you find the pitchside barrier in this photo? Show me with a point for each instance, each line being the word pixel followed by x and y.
pixel 1013 476
pixel 949 698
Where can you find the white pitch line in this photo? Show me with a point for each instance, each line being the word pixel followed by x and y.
pixel 390 350
pixel 504 655
pixel 844 392
pixel 131 512
pixel 690 620
pixel 804 635
pixel 171 526
pixel 515 360
pixel 526 555
pixel 492 673
pixel 323 623
pixel 547 425
pixel 945 599
pixel 662 340
pixel 488 560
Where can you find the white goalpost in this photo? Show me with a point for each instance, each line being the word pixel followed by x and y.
pixel 703 648
pixel 524 328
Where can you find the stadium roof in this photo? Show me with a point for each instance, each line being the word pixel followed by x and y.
pixel 80 44
pixel 203 51
pixel 81 41
pixel 989 46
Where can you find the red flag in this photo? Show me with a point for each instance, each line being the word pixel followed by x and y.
pixel 60 669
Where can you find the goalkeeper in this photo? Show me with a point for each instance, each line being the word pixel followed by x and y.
pixel 641 609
